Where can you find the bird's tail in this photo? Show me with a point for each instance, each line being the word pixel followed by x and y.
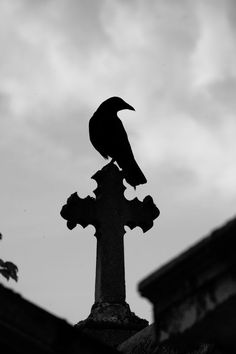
pixel 132 172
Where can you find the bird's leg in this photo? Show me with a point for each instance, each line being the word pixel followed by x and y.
pixel 110 163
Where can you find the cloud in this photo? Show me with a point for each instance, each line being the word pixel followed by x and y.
pixel 215 53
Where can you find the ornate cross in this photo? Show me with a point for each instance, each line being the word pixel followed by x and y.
pixel 109 212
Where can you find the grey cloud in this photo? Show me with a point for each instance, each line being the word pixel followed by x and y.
pixel 67 128
pixel 224 93
pixel 77 21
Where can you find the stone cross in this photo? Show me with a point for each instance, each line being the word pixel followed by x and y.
pixel 109 212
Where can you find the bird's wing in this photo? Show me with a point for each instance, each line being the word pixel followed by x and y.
pixel 121 152
pixel 118 145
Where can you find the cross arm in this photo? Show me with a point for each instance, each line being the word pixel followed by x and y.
pixel 142 213
pixel 79 211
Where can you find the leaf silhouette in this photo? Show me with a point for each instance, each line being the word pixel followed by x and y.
pixel 8 270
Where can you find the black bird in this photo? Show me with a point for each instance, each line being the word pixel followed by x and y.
pixel 108 136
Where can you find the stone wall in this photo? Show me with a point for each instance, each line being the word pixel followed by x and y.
pixel 194 296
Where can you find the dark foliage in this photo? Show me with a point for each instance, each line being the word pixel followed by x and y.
pixel 8 269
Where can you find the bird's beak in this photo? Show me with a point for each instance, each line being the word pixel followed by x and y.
pixel 129 107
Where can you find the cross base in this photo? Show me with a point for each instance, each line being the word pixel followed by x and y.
pixel 112 323
pixel 112 315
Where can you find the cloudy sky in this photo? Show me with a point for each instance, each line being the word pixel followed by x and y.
pixel 174 61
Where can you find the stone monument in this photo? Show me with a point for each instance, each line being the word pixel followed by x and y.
pixel 110 319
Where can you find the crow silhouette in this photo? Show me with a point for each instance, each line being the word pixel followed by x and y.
pixel 108 136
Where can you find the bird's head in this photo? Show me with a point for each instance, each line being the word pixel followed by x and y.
pixel 115 104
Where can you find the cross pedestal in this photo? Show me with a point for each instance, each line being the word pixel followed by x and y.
pixel 109 212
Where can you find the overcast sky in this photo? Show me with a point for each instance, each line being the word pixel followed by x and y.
pixel 174 61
